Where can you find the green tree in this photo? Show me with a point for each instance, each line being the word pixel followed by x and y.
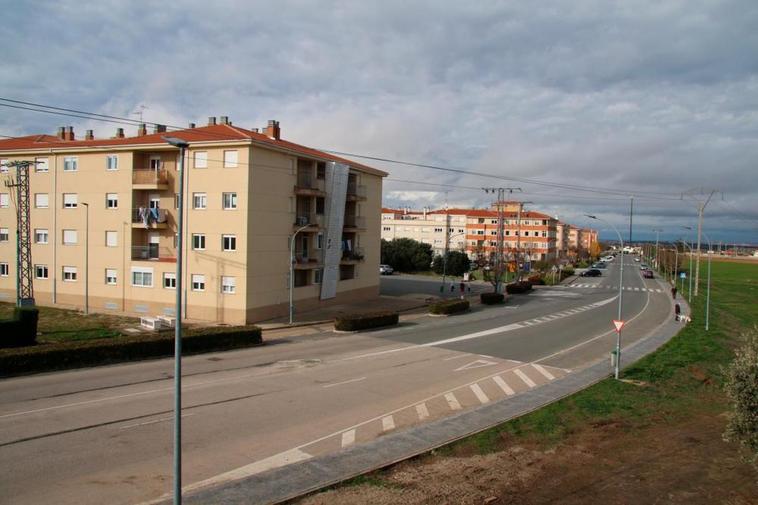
pixel 742 389
pixel 406 255
pixel 457 263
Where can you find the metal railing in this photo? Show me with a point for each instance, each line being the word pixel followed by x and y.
pixel 308 218
pixel 149 176
pixel 356 190
pixel 152 252
pixel 352 221
pixel 354 254
pixel 306 180
pixel 148 216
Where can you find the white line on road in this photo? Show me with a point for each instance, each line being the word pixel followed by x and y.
pixel 422 411
pixel 343 382
pixel 388 423
pixel 503 385
pixel 544 372
pixel 480 395
pixel 452 401
pixel 162 419
pixel 521 375
pixel 457 357
pixel 348 438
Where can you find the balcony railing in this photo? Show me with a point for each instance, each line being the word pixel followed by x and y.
pixel 149 217
pixel 308 218
pixel 152 252
pixel 306 181
pixel 352 221
pixel 356 191
pixel 149 176
pixel 354 254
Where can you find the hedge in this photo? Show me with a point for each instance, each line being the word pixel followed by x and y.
pixel 491 298
pixel 77 354
pixel 449 307
pixel 518 287
pixel 364 321
pixel 536 280
pixel 21 330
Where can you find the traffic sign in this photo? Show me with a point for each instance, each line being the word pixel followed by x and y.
pixel 618 324
pixel 683 275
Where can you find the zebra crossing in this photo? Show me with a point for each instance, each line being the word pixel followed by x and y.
pixel 610 286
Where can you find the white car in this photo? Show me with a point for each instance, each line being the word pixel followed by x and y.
pixel 385 270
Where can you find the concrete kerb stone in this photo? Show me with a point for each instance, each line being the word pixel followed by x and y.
pixel 281 484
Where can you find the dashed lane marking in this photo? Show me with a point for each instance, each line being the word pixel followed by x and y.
pixel 503 385
pixel 452 401
pixel 483 398
pixel 521 375
pixel 388 423
pixel 348 438
pixel 349 381
pixel 544 372
pixel 422 411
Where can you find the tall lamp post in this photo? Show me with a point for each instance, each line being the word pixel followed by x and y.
pixel 708 292
pixel 182 145
pixel 657 232
pixel 86 258
pixel 689 248
pixel 292 271
pixel 621 294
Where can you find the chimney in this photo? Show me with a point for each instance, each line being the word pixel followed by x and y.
pixel 272 130
pixel 90 135
pixel 69 133
pixel 141 130
pixel 223 119
pixel 159 128
pixel 254 130
pixel 191 125
pixel 119 133
pixel 62 132
pixel 211 120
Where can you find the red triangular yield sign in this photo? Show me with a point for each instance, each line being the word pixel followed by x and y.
pixel 618 324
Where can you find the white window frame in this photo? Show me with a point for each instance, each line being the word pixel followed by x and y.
pixel 41 231
pixel 231 158
pixel 138 277
pixel 228 285
pixel 231 204
pixel 232 239
pixel 5 200
pixel 177 202
pixel 70 274
pixel 41 269
pixel 5 269
pixel 111 276
pixel 44 196
pixel 111 238
pixel 4 165
pixel 199 201
pixel 5 234
pixel 200 238
pixel 111 162
pixel 198 282
pixel 156 158
pixel 70 164
pixel 200 159
pixel 111 201
pixel 70 233
pixel 70 200
pixel 42 164
pixel 171 278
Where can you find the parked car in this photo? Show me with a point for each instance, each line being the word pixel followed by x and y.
pixel 648 274
pixel 601 265
pixel 644 266
pixel 385 270
pixel 636 259
pixel 592 272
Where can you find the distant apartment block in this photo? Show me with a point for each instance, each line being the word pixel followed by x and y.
pixel 247 192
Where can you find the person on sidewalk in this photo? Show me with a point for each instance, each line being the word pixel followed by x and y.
pixel 677 312
pixel 673 292
pixel 463 287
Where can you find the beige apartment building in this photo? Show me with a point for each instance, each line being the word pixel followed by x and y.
pixel 247 192
pixel 428 227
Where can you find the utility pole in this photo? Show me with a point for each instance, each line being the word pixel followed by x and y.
pixel 518 239
pixel 657 231
pixel 700 209
pixel 500 232
pixel 631 213
pixel 24 282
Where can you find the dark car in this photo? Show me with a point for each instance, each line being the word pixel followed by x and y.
pixel 592 272
pixel 648 274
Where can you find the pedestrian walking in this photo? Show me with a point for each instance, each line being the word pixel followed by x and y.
pixel 677 312
pixel 463 287
pixel 452 288
pixel 673 292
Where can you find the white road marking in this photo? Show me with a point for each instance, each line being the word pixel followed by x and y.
pixel 452 401
pixel 503 385
pixel 343 382
pixel 486 356
pixel 544 372
pixel 636 289
pixel 475 364
pixel 521 375
pixel 422 411
pixel 480 395
pixel 162 419
pixel 348 438
pixel 456 357
pixel 388 423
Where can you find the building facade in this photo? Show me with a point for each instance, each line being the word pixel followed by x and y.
pixel 435 228
pixel 246 193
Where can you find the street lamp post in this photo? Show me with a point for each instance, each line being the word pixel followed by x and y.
pixel 657 232
pixel 292 271
pixel 182 145
pixel 621 294
pixel 689 274
pixel 708 292
pixel 86 258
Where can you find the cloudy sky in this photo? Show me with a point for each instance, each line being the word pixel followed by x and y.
pixel 580 104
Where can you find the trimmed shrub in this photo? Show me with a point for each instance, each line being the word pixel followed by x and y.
pixel 536 280
pixel 567 272
pixel 491 298
pixel 518 287
pixel 21 330
pixel 364 321
pixel 77 354
pixel 449 307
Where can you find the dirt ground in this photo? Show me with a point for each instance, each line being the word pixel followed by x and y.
pixel 685 462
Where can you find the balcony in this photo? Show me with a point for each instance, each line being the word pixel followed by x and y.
pixel 149 219
pixel 149 178
pixel 313 221
pixel 353 222
pixel 356 192
pixel 353 256
pixel 153 252
pixel 308 185
pixel 303 262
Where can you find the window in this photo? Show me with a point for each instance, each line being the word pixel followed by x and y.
pixel 40 271
pixel 387 228
pixel 70 164
pixel 5 199
pixel 69 274
pixel 169 280
pixel 228 285
pixel 4 235
pixel 320 240
pixel 4 269
pixel 40 235
pixel 110 276
pixel 70 237
pixel 111 200
pixel 177 202
pixel 318 274
pixel 198 241
pixel 199 200
pixel 201 159
pixel 142 277
pixel 320 170
pixel 229 242
pixel 438 230
pixel 41 165
pixel 230 159
pixel 70 200
pixel 155 162
pixel 111 239
pixel 230 201
pixel 111 162
pixel 320 205
pixel 3 166
pixel 526 233
pixel 198 282
pixel 41 200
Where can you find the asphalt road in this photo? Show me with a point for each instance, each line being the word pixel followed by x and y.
pixel 104 435
pixel 404 284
